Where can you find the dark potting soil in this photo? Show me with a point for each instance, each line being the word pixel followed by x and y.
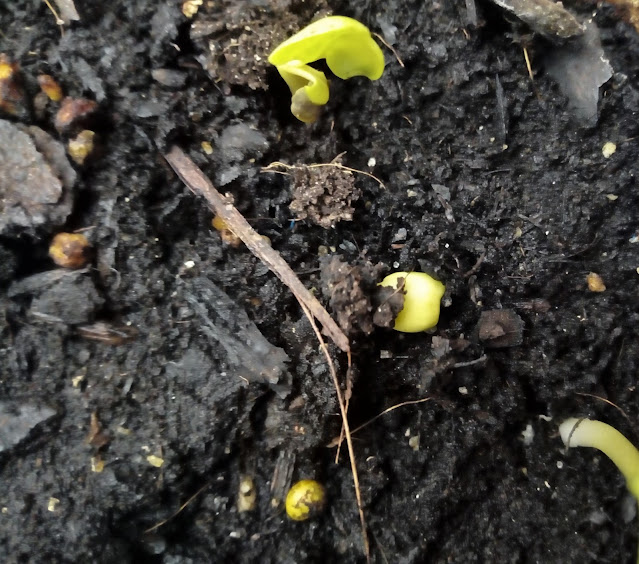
pixel 131 387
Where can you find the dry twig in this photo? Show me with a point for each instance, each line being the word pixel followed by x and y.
pixel 586 394
pixel 180 509
pixel 528 66
pixel 200 185
pixel 391 48
pixel 347 431
pixel 338 440
pixel 58 19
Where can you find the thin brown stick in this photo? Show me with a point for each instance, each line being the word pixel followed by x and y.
pixel 586 394
pixel 58 20
pixel 528 66
pixel 338 440
pixel 482 358
pixel 341 434
pixel 200 185
pixel 182 507
pixel 476 266
pixel 391 48
pixel 272 167
pixel 347 431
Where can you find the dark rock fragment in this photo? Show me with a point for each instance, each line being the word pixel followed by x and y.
pixel 18 420
pixel 59 296
pixel 251 355
pixel 71 300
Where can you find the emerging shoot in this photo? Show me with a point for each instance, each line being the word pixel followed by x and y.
pixel 348 48
pixel 596 434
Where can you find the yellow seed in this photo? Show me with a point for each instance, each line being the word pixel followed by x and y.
pixel 422 297
pixel 218 223
pixel 305 499
pixel 6 70
pixel 77 380
pixel 226 234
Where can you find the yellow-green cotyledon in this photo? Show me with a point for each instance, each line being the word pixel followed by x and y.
pixel 349 50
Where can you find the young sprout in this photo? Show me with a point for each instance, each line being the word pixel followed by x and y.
pixel 422 297
pixel 596 434
pixel 348 48
pixel 309 89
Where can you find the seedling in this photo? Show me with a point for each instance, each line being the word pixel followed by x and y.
pixel 422 297
pixel 596 434
pixel 348 48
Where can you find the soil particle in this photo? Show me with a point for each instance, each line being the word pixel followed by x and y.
pixel 323 194
pixel 499 328
pixel 240 140
pixel 236 37
pixel 169 78
pixel 353 294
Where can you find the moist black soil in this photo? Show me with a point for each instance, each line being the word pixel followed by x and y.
pixel 488 183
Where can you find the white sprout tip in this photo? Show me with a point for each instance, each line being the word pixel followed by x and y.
pixel 566 429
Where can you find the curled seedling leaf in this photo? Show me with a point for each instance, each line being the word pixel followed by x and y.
pixel 349 50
